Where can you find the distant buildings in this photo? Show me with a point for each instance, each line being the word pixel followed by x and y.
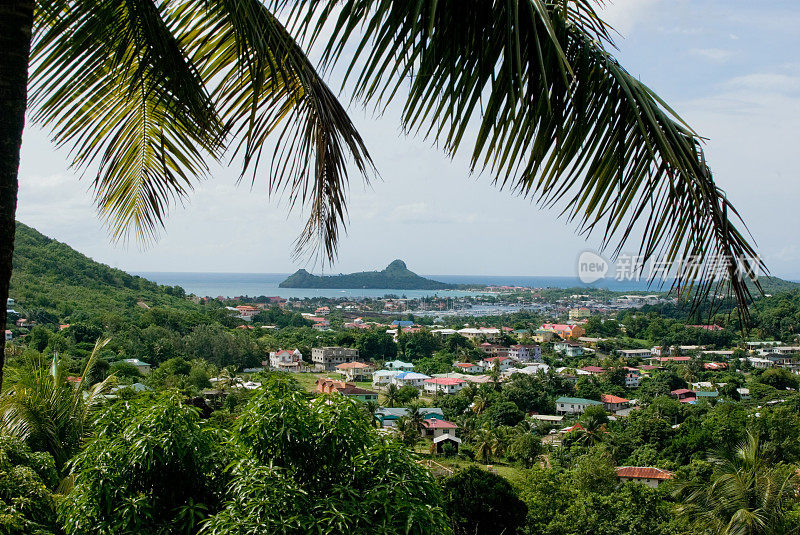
pixel 565 331
pixel 8 335
pixel 327 358
pixel 652 477
pixel 286 360
pixel 444 385
pixel 525 353
pixel 143 367
pixel 566 405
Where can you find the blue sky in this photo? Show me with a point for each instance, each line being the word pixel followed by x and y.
pixel 728 67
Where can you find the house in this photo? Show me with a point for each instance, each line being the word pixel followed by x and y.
pixel 9 335
pixel 478 333
pixel 143 367
pixel 388 416
pixel 334 386
pixel 434 428
pixel 592 370
pixel 613 403
pixel 382 378
pixel 684 395
pixel 439 442
pixel 25 322
pixel 501 363
pixel 444 385
pixel 652 477
pixel 468 367
pixel 577 314
pixel 568 349
pixel 327 385
pixel 286 360
pixel 543 336
pixel 633 378
pixel 322 311
pixel 410 378
pixel 362 394
pixel 356 371
pixel 246 312
pixel 628 353
pixel 327 358
pixel 758 362
pixel 564 330
pixel 525 353
pixel 565 405
pixel 399 365
pixel 744 393
pixel 494 350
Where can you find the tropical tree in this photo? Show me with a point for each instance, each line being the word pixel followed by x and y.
pixel 391 396
pixel 479 403
pixel 148 94
pixel 747 494
pixel 48 411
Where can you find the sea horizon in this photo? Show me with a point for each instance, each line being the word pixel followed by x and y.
pixel 226 284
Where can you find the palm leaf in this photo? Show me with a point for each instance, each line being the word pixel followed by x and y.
pixel 113 82
pixel 272 89
pixel 558 120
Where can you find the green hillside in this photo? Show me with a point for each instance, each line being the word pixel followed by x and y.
pixel 52 278
pixel 396 276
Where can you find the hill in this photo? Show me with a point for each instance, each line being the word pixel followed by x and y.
pixel 396 276
pixel 51 277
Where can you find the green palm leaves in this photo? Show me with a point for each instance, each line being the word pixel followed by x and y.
pixel 530 86
pixel 747 495
pixel 147 94
pixel 48 411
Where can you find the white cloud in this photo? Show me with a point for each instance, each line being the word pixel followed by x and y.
pixel 716 55
pixel 766 82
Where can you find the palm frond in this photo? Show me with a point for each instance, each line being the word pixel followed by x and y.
pixel 267 87
pixel 558 120
pixel 111 80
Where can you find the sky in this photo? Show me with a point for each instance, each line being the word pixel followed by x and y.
pixel 728 67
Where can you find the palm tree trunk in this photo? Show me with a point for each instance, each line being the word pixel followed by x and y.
pixel 16 26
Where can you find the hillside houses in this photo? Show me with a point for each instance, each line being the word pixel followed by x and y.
pixel 285 360
pixel 327 358
pixel 570 405
pixel 565 331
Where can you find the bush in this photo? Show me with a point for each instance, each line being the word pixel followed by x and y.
pixel 478 501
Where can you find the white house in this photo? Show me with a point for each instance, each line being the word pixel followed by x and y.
pixel 434 428
pixel 569 349
pixel 9 335
pixel 489 363
pixel 468 367
pixel 399 365
pixel 633 379
pixel 489 333
pixel 758 362
pixel 410 378
pixel 383 378
pixel 444 385
pixel 286 360
pixel 565 405
pixel 525 353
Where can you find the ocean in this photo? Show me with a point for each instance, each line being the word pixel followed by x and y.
pixel 256 284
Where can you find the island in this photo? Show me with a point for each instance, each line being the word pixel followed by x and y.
pixel 396 276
